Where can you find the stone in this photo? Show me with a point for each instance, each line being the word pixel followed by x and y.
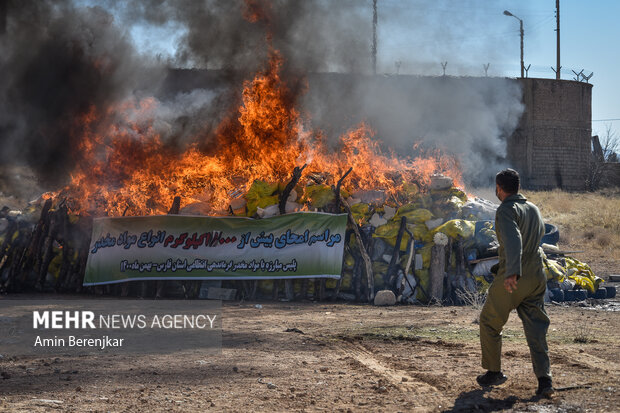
pixel 385 297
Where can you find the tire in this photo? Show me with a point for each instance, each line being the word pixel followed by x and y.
pixel 611 291
pixel 552 235
pixel 580 295
pixel 599 294
pixel 575 295
pixel 557 295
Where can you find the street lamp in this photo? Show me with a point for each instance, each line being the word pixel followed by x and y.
pixel 507 13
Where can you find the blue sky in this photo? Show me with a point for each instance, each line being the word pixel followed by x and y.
pixel 589 32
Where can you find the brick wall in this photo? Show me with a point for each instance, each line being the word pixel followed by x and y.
pixel 551 146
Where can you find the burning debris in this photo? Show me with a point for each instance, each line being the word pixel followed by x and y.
pixel 426 244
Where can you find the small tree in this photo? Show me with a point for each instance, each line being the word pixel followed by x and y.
pixel 604 152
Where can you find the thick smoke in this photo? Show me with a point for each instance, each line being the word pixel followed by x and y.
pixel 313 35
pixel 470 118
pixel 58 62
pixel 62 58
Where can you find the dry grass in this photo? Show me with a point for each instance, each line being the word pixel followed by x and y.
pixel 588 222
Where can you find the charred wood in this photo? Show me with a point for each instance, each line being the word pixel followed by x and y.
pixel 289 187
pixel 362 249
pixel 392 271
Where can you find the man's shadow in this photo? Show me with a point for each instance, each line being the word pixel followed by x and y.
pixel 475 400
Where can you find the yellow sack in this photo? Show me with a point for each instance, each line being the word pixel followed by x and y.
pixel 420 232
pixel 331 283
pixel 413 213
pixel 263 202
pixel 577 267
pixel 425 252
pixel 260 194
pixel 319 195
pixel 583 282
pixel 389 230
pixel 389 233
pixel 481 284
pixel 457 228
pixel 459 194
pixel 347 280
pixel 260 189
pixel 553 270
pixel 379 267
pixel 411 191
pixel 360 212
pixel 349 261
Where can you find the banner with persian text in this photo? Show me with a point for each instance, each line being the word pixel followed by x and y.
pixel 177 247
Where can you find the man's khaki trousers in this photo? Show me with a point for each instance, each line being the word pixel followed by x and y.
pixel 528 299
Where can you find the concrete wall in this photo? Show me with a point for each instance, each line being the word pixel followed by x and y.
pixel 551 146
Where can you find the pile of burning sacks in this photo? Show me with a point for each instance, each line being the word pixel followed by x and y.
pixel 442 216
pixel 431 245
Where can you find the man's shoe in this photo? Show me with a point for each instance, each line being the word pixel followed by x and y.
pixel 491 378
pixel 545 387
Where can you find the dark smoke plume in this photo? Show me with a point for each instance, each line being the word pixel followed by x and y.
pixel 57 62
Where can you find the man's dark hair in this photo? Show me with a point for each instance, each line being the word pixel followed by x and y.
pixel 508 180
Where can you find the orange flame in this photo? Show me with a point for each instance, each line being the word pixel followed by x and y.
pixel 127 168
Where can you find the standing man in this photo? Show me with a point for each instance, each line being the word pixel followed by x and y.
pixel 520 284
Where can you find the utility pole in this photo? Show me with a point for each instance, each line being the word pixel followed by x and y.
pixel 521 31
pixel 557 20
pixel 374 37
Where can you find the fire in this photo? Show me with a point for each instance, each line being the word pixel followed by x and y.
pixel 126 167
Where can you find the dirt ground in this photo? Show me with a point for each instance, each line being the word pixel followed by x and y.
pixel 341 357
